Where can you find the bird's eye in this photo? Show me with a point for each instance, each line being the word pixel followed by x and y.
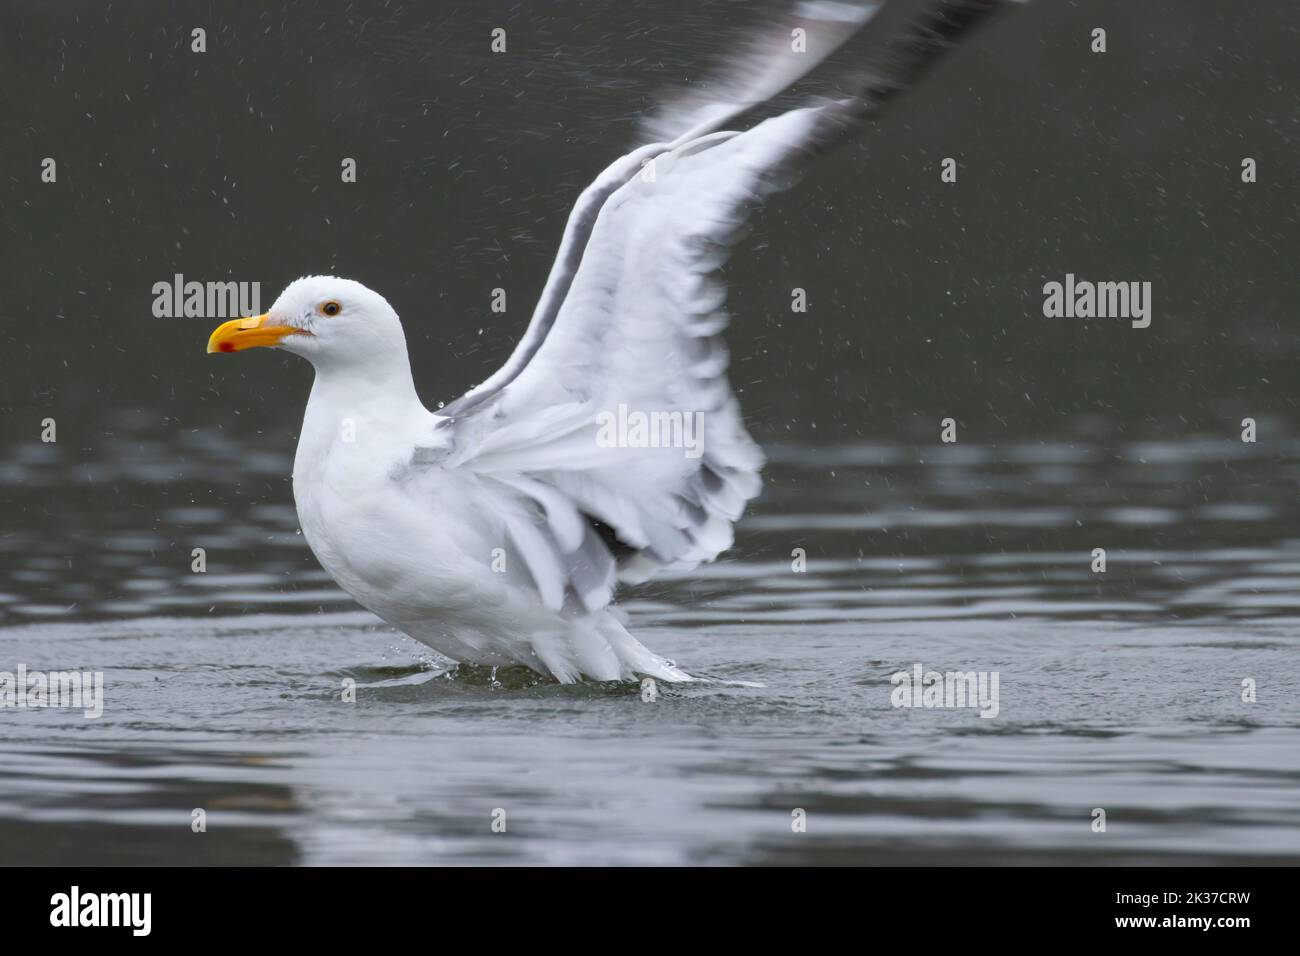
pixel 330 308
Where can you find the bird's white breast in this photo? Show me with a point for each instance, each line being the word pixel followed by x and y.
pixel 366 529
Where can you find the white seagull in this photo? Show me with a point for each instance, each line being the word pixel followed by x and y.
pixel 495 530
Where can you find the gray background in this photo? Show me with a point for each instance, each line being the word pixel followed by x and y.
pixel 925 298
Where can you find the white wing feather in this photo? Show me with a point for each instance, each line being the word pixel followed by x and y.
pixel 639 328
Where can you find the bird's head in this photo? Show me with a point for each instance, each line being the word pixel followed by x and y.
pixel 330 322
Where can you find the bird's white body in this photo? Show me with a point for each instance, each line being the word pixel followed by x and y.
pixel 424 547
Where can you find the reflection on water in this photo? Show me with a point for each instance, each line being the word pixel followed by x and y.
pixel 1190 529
pixel 1119 690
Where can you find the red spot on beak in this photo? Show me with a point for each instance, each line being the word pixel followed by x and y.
pixel 227 346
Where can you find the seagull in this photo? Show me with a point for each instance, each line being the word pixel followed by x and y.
pixel 497 528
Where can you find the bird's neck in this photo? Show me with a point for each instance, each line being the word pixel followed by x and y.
pixel 377 383
pixel 360 410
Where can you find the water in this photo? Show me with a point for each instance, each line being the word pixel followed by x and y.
pixel 1119 691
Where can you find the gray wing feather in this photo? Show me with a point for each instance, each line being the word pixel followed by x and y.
pixel 632 316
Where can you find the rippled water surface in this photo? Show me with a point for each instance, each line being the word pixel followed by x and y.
pixel 1120 691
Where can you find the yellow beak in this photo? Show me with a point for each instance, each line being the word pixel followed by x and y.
pixel 239 334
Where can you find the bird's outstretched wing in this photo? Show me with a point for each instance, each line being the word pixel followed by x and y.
pixel 768 59
pixel 611 433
